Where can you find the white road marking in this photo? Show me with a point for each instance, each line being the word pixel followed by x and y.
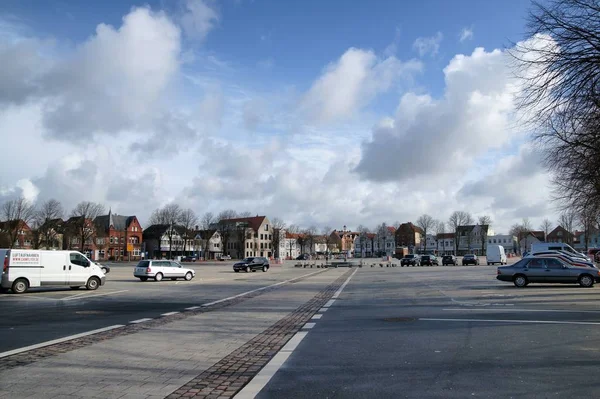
pixel 139 321
pixel 258 289
pixel 317 317
pixel 323 310
pixel 259 381
pixel 522 310
pixel 308 326
pixel 82 295
pixel 591 323
pixel 58 341
pixel 193 308
pixel 169 313
pixel 338 292
pixel 329 303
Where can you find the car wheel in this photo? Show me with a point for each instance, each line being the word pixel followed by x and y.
pixel 188 276
pixel 158 277
pixel 143 278
pixel 104 270
pixel 586 281
pixel 20 286
pixel 264 269
pixel 93 283
pixel 520 281
pixel 247 269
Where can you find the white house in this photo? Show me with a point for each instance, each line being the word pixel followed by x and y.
pixel 288 245
pixel 208 244
pixel 509 242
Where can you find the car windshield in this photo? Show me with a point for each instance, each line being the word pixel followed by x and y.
pixel 247 259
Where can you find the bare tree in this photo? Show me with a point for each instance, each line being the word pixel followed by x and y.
pixel 456 220
pixel 245 214
pixel 426 223
pixel 48 218
pixel 546 227
pixel 310 234
pixel 207 220
pixel 82 219
pixel 440 230
pixel 169 216
pixel 226 229
pixel 487 222
pixel 559 70
pixel 382 232
pixel 526 224
pixel 16 213
pixel 188 220
pixel 567 221
pixel 326 231
pixel 363 238
pixel 279 226
pixel 587 219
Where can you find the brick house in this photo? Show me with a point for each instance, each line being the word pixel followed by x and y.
pixel 560 234
pixel 117 237
pixel 409 235
pixel 23 237
pixel 244 237
pixel 343 240
pixel 72 230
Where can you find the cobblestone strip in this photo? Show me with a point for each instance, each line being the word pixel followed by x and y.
pixel 228 376
pixel 34 355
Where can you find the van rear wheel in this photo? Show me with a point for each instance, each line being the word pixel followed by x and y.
pixel 93 283
pixel 20 286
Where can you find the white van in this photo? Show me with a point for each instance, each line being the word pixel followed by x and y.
pixel 34 268
pixel 495 254
pixel 553 246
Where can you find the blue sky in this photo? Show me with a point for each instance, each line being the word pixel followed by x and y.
pixel 358 98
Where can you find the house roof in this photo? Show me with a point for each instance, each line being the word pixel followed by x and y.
pixel 534 233
pixel 391 229
pixel 206 234
pixel 445 236
pixel 414 228
pixel 557 229
pixel 253 222
pixel 156 231
pixel 119 222
pixel 6 225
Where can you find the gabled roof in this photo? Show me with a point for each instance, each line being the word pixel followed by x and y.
pixel 253 222
pixel 156 231
pixel 119 222
pixel 409 225
pixel 205 234
pixel 444 236
pixel 557 229
pixel 391 229
pixel 11 224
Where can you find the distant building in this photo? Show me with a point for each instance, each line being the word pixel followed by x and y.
pixel 410 236
pixel 245 237
pixel 23 237
pixel 560 234
pixel 509 242
pixel 528 238
pixel 445 243
pixel 117 237
pixel 343 240
pixel 208 244
pixel 473 238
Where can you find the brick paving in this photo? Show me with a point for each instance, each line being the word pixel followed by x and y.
pixel 35 355
pixel 229 375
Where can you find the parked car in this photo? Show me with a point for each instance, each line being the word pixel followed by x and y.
pixel 429 260
pixel 538 269
pixel 564 256
pixel 105 269
pixel 159 269
pixel 225 257
pixel 252 264
pixel 188 259
pixel 470 259
pixel 302 257
pixel 411 260
pixel 449 260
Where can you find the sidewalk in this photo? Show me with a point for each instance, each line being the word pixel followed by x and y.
pixel 155 362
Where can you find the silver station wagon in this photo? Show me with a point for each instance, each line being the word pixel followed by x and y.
pixel 159 269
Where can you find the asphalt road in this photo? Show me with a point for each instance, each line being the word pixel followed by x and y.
pixel 447 332
pixel 44 314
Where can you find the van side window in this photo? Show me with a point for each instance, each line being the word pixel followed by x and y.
pixel 78 259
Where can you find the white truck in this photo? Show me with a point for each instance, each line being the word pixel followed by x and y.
pixel 26 268
pixel 495 254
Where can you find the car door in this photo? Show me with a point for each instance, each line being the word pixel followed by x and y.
pixel 78 269
pixel 557 272
pixel 176 270
pixel 535 271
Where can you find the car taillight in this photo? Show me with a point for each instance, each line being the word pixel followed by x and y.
pixel 5 268
pixel 499 271
pixel 148 270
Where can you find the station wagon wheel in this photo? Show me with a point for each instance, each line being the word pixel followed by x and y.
pixel 265 268
pixel 188 276
pixel 247 269
pixel 158 277
pixel 586 281
pixel 93 283
pixel 20 286
pixel 521 281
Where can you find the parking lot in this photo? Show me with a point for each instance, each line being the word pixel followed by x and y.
pixel 451 331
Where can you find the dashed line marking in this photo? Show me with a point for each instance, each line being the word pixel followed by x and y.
pixel 308 326
pixel 140 321
pixel 329 303
pixel 323 310
pixel 317 317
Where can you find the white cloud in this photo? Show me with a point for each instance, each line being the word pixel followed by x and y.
pixel 428 45
pixel 199 18
pixel 351 83
pixel 466 34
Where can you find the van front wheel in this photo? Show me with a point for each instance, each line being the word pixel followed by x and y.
pixel 20 286
pixel 93 284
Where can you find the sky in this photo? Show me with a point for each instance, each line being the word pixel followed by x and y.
pixel 319 113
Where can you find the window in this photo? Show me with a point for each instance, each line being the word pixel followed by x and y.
pixel 261 245
pixel 261 237
pixel 536 264
pixel 111 240
pixel 78 259
pixel 266 227
pixel 553 264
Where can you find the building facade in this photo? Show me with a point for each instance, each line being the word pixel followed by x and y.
pixel 473 239
pixel 245 237
pixel 118 237
pixel 408 235
pixel 509 242
pixel 23 239
pixel 208 244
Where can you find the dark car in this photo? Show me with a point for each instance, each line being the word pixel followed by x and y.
pixel 547 270
pixel 449 260
pixel 302 257
pixel 188 259
pixel 411 260
pixel 252 264
pixel 105 269
pixel 470 259
pixel 429 260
